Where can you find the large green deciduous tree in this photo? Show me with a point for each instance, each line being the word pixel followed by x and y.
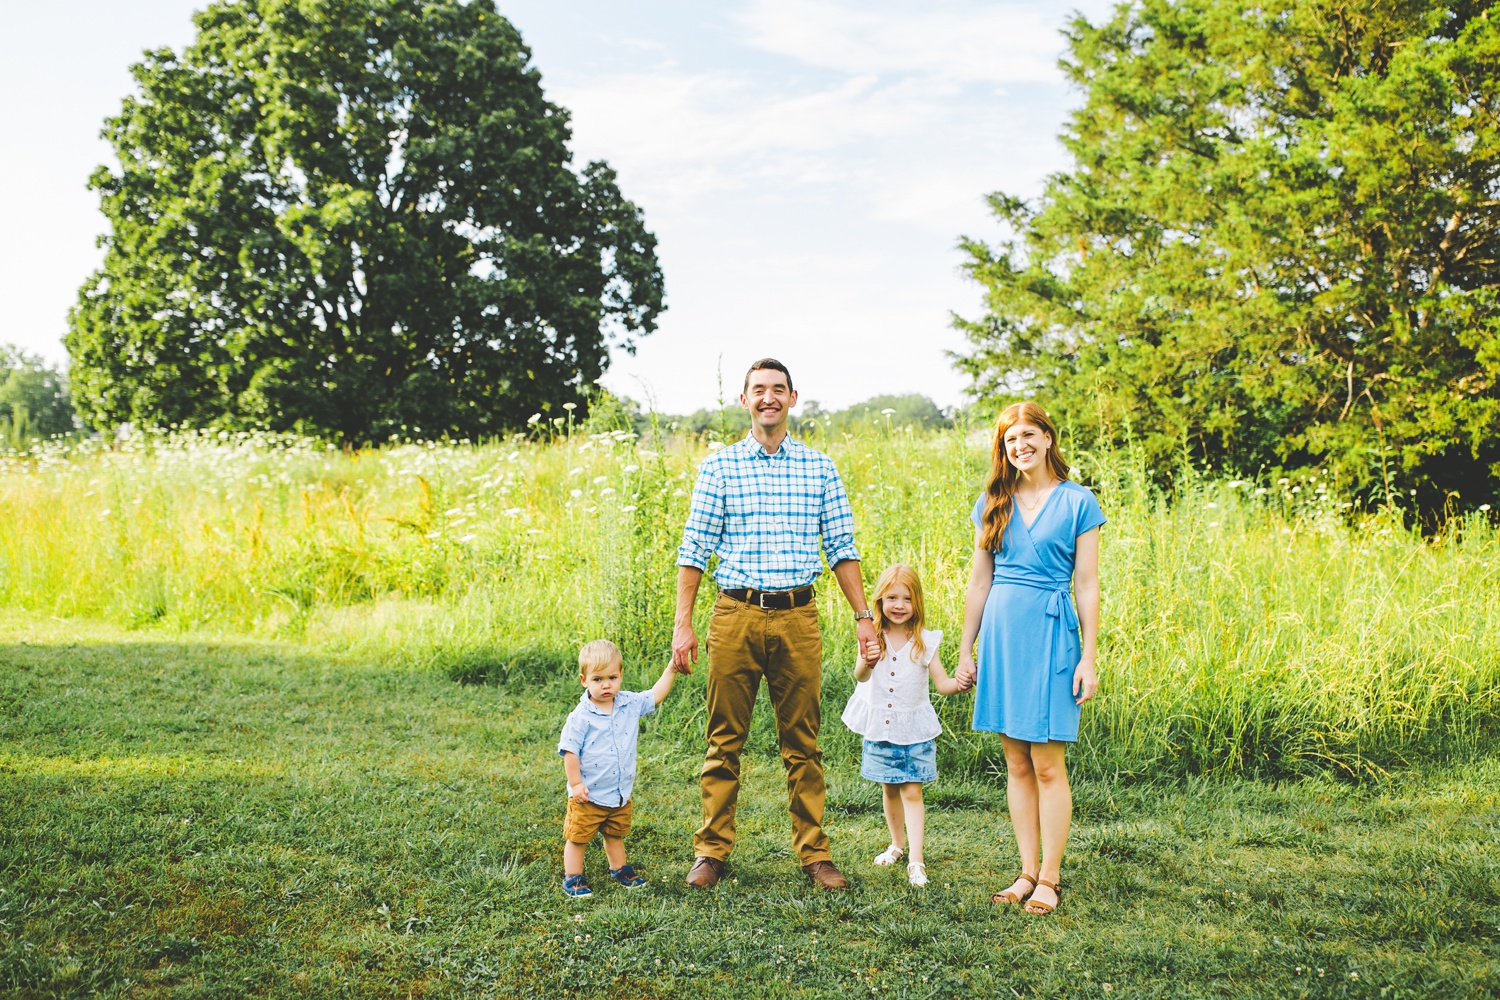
pixel 355 218
pixel 1278 244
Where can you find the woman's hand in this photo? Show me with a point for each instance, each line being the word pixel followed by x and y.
pixel 967 671
pixel 1085 681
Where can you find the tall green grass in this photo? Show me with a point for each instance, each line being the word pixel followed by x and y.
pixel 1247 627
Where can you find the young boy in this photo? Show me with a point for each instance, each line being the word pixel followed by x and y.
pixel 598 751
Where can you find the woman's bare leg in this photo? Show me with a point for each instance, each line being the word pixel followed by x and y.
pixel 1022 796
pixel 1055 811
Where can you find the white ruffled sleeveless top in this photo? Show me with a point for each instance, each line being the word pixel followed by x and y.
pixel 894 704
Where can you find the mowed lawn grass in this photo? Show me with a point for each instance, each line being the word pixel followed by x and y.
pixel 195 817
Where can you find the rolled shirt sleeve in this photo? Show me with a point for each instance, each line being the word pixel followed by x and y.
pixel 705 522
pixel 837 522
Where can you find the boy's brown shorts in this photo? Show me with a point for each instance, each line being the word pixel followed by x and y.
pixel 584 819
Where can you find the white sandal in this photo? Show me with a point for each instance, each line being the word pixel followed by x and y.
pixel 916 873
pixel 889 856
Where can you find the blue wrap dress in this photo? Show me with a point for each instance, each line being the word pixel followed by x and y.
pixel 1028 637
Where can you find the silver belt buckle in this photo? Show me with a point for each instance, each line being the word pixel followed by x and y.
pixel 761 600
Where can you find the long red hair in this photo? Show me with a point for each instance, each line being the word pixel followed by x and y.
pixel 999 499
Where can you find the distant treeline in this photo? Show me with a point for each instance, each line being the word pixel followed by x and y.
pixel 610 412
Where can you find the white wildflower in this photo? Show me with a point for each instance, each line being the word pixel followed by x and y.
pixel 467 539
pixel 575 494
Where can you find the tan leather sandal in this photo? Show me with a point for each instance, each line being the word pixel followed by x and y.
pixel 1036 907
pixel 1009 897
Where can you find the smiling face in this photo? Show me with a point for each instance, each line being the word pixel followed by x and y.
pixel 897 604
pixel 769 399
pixel 1026 446
pixel 603 682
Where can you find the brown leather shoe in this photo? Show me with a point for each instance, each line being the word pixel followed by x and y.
pixel 705 873
pixel 826 875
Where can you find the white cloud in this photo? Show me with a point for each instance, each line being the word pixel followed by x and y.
pixel 972 42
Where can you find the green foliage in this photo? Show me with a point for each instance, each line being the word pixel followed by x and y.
pixel 354 219
pixel 1276 248
pixel 209 817
pixel 34 401
pixel 910 410
pixel 1245 629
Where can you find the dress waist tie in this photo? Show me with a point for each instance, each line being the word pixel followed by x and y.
pixel 1060 610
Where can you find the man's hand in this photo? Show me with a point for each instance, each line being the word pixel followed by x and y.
pixel 869 643
pixel 684 648
pixel 967 671
pixel 578 793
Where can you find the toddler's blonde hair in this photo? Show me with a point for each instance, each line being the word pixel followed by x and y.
pixel 596 654
pixel 903 575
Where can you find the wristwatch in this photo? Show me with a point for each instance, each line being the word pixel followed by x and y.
pixel 866 613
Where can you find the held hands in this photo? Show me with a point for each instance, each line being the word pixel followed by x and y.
pixel 966 672
pixel 1085 681
pixel 684 648
pixel 869 645
pixel 578 793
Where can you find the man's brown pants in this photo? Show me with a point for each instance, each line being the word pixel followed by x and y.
pixel 786 647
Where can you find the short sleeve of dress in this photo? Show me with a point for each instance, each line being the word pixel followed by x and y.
pixel 977 514
pixel 1087 514
pixel 931 640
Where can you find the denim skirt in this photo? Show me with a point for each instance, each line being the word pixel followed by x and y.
pixel 896 763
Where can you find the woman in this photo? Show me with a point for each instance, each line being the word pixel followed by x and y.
pixel 1035 531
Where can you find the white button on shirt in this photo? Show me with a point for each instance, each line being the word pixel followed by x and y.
pixel 894 704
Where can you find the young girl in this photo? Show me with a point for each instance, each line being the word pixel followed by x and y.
pixel 890 708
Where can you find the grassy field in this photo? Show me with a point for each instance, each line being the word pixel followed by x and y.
pixel 1246 628
pixel 279 720
pixel 196 816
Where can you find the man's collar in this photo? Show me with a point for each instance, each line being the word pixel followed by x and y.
pixel 759 449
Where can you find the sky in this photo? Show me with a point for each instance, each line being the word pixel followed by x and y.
pixel 807 166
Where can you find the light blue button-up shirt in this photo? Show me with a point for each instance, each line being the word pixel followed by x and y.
pixel 765 514
pixel 605 744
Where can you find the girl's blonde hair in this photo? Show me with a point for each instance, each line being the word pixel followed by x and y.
pixel 901 575
pixel 1000 491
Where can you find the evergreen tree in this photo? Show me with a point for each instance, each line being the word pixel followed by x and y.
pixel 1278 245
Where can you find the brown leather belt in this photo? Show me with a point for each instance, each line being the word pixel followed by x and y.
pixel 771 600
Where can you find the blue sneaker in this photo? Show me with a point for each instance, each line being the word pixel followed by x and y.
pixel 575 886
pixel 626 876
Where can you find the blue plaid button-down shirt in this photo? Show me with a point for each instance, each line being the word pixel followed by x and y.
pixel 763 516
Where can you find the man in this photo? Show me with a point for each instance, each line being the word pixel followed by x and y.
pixel 762 505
